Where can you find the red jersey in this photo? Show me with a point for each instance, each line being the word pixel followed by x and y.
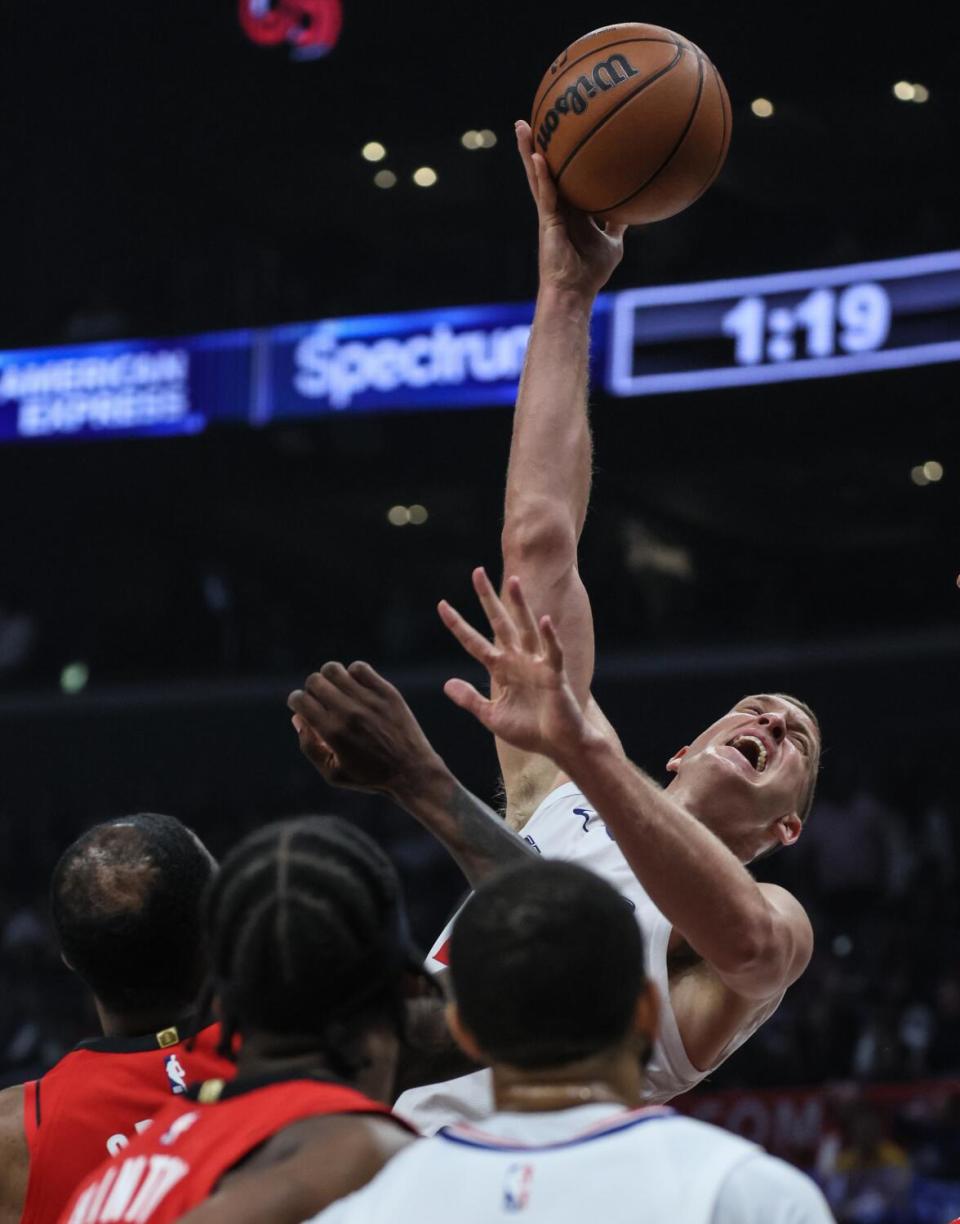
pixel 93 1102
pixel 177 1162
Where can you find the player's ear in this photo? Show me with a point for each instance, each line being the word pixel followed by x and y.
pixel 673 765
pixel 462 1035
pixel 788 828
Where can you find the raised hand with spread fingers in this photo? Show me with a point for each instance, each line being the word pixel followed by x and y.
pixel 533 706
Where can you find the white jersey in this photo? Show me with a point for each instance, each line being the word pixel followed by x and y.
pixel 593 1162
pixel 565 827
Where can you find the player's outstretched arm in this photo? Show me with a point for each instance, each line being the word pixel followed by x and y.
pixel 757 941
pixel 550 465
pixel 358 731
pixel 302 1170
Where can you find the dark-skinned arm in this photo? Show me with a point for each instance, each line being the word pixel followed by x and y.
pixel 302 1170
pixel 359 733
pixel 14 1155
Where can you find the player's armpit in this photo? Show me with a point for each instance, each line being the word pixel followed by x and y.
pixel 303 1169
pixel 534 777
pixel 14 1155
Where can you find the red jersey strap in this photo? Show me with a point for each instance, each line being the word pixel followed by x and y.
pixel 228 1130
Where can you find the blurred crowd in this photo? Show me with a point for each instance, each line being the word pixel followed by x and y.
pixel 878 871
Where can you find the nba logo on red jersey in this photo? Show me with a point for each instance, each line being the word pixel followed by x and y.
pixel 516 1188
pixel 175 1074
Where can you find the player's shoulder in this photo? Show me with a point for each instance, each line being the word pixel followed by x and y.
pixel 796 922
pixel 386 1167
pixel 66 1066
pixel 764 1188
pixel 782 898
pixel 11 1105
pixel 367 1140
pixel 753 1187
pixel 692 1137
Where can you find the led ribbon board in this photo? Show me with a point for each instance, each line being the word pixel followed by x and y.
pixel 794 325
pixel 126 388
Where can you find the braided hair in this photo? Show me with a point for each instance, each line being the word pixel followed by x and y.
pixel 308 939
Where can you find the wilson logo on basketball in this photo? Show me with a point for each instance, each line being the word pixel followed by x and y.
pixel 575 99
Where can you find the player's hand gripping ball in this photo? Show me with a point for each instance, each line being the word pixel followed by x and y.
pixel 634 122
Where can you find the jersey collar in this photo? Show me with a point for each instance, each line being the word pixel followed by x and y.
pixel 162 1039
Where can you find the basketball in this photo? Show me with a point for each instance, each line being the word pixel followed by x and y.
pixel 634 122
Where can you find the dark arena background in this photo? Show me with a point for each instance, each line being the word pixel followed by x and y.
pixel 243 212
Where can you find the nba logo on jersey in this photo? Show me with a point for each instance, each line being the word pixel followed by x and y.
pixel 516 1187
pixel 175 1074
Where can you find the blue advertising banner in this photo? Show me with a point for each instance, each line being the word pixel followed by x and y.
pixel 125 388
pixel 454 358
pixel 816 323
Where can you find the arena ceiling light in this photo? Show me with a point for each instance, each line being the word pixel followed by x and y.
pixel 911 91
pixel 930 472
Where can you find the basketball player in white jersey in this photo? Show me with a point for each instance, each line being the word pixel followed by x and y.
pixel 722 948
pixel 548 987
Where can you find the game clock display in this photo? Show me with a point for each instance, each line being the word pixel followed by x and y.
pixel 794 325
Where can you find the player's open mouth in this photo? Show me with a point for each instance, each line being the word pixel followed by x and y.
pixel 753 749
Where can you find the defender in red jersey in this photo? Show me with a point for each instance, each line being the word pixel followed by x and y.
pixel 127 906
pixel 189 1147
pixel 96 1100
pixel 311 958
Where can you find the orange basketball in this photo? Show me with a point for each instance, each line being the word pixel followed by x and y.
pixel 634 122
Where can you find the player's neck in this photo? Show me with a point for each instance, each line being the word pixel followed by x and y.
pixel 139 1023
pixel 605 1079
pixel 694 805
pixel 269 1054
